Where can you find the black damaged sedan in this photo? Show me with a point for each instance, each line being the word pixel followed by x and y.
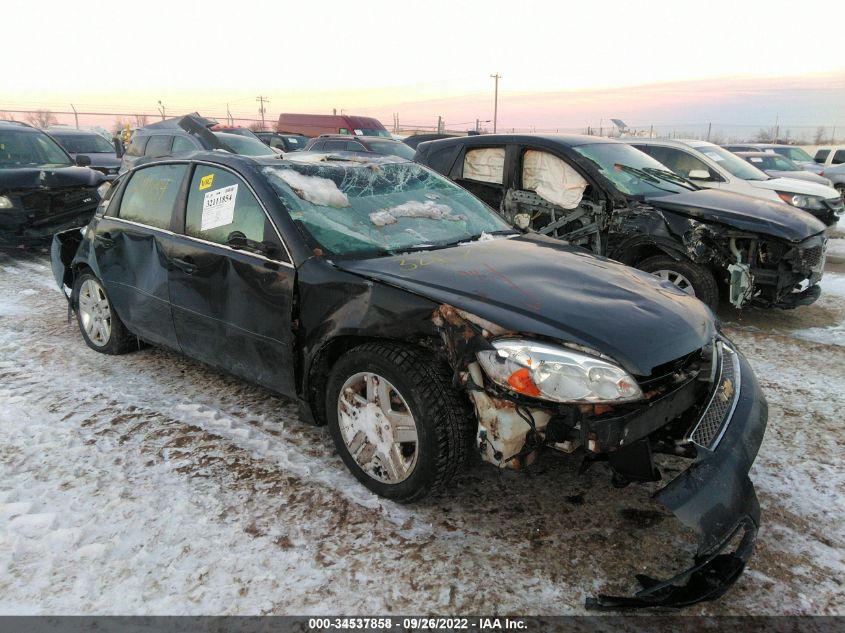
pixel 404 313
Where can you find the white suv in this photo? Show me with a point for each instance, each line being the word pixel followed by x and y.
pixel 714 167
pixel 830 155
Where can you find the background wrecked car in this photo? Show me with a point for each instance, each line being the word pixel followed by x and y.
pixel 391 304
pixel 41 188
pixel 619 202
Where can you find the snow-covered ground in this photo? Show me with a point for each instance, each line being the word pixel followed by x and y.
pixel 148 483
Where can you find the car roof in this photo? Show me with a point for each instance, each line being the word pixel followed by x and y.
pixel 338 159
pixel 569 140
pixel 761 154
pixel 71 132
pixel 671 142
pixel 346 137
pixel 19 125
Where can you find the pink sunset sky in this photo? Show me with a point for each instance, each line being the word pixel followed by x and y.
pixel 562 66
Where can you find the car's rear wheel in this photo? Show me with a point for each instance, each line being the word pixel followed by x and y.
pixel 693 279
pixel 396 420
pixel 100 326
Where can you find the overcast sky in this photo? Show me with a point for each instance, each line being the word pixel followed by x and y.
pixel 562 63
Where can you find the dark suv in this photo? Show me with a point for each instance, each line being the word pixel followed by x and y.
pixel 617 201
pixel 103 155
pixel 406 315
pixel 42 189
pixel 347 143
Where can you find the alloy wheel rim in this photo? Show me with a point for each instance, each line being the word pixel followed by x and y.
pixel 377 427
pixel 677 279
pixel 95 312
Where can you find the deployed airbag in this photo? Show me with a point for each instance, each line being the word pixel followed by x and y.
pixel 552 179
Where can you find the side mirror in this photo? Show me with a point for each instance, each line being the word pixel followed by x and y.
pixel 83 161
pixel 699 174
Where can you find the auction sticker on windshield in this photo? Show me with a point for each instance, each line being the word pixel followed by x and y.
pixel 218 207
pixel 206 181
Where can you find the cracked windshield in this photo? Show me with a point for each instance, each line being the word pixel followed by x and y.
pixel 360 210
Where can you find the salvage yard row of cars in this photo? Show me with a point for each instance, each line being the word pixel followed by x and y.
pixel 497 293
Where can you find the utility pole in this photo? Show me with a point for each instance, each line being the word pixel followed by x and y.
pixel 496 78
pixel 777 129
pixel 261 108
pixel 709 127
pixel 161 109
pixel 229 118
pixel 75 116
pixel 439 124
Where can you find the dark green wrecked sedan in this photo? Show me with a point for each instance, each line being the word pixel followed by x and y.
pixel 404 313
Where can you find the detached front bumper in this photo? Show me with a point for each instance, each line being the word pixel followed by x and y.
pixel 716 498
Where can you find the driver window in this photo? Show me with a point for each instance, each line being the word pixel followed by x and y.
pixel 220 204
pixel 552 179
pixel 678 161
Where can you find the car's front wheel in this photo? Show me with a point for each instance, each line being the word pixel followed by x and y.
pixel 693 279
pixel 100 326
pixel 396 420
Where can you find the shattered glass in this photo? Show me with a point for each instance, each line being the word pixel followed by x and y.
pixel 353 208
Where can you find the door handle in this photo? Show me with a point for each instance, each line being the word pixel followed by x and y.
pixel 185 265
pixel 104 239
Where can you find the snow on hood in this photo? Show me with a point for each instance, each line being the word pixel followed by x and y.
pixel 414 209
pixel 314 189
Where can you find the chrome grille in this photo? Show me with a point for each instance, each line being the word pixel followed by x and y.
pixel 710 427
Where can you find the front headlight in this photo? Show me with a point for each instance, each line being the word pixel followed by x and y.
pixel 5 203
pixel 536 369
pixel 802 201
pixel 103 189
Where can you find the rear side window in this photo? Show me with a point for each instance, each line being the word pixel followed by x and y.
pixel 318 146
pixel 182 145
pixel 150 194
pixel 838 157
pixel 220 204
pixel 334 146
pixel 136 147
pixel 158 146
pixel 485 165
pixel 821 155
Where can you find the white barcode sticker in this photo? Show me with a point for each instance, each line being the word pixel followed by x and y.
pixel 218 207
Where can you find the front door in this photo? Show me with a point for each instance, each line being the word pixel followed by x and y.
pixel 231 282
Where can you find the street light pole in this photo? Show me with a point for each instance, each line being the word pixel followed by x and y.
pixel 496 77
pixel 161 109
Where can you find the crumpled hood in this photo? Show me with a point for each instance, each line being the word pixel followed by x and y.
pixel 776 219
pixel 538 285
pixel 49 178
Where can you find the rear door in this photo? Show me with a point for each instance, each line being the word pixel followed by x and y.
pixel 131 245
pixel 231 282
pixel 482 172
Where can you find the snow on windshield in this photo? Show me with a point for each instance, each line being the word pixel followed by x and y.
pixel 428 209
pixel 356 209
pixel 315 189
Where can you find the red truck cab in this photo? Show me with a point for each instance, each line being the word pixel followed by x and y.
pixel 316 124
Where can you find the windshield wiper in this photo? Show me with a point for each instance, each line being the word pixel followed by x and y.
pixel 665 174
pixel 644 175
